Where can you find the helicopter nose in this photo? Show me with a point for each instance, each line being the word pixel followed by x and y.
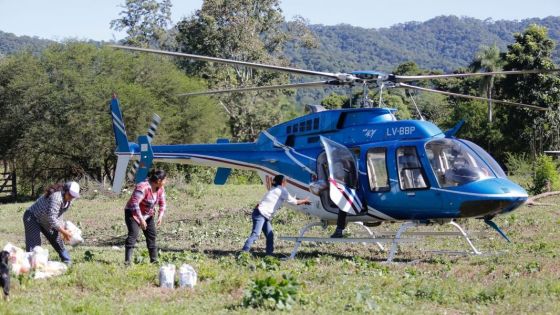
pixel 493 196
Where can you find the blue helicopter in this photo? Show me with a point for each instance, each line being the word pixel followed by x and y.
pixel 362 161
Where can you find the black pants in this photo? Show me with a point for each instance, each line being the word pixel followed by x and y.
pixel 133 228
pixel 341 220
pixel 33 230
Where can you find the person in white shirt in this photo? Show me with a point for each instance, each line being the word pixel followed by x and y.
pixel 265 210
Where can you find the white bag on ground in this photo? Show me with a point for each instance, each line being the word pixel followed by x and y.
pixel 52 268
pixel 19 259
pixel 167 276
pixel 39 257
pixel 187 276
pixel 76 233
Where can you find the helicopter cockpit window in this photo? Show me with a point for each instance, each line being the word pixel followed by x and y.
pixel 411 175
pixel 454 163
pixel 487 158
pixel 377 169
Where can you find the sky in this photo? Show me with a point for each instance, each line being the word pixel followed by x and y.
pixel 89 19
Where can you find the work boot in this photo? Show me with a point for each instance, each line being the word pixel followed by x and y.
pixel 128 255
pixel 337 233
pixel 153 255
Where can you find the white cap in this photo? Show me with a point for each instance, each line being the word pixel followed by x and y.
pixel 73 189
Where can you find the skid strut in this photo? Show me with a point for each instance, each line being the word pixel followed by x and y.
pixel 408 225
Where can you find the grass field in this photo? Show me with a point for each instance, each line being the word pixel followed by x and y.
pixel 207 225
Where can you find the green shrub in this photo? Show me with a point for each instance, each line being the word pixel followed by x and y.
pixel 271 293
pixel 520 169
pixel 546 175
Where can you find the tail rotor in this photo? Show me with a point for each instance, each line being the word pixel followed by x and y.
pixel 154 124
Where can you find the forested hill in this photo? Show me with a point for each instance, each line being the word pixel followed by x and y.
pixel 444 42
pixel 10 43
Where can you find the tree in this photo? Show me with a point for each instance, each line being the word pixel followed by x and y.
pixel 55 122
pixel 527 128
pixel 145 22
pixel 244 30
pixel 488 60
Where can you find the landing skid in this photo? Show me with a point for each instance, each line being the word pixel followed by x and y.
pixel 408 225
pixel 378 238
pixel 299 239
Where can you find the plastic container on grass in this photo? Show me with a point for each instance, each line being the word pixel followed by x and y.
pixel 187 276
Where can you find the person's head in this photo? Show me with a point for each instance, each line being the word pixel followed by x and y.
pixel 278 180
pixel 157 178
pixel 71 190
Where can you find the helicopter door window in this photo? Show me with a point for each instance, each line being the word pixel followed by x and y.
pixel 411 175
pixel 377 169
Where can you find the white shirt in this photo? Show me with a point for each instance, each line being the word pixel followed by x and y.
pixel 273 200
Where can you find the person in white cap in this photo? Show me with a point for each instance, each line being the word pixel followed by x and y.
pixel 45 216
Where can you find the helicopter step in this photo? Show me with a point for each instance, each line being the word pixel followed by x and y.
pixel 377 238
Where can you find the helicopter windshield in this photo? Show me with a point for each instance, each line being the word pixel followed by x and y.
pixel 454 163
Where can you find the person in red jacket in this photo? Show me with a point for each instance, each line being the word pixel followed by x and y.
pixel 140 212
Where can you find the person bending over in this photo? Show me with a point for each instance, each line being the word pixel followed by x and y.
pixel 266 209
pixel 45 216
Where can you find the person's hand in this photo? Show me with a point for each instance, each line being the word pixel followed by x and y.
pixel 143 224
pixel 159 220
pixel 305 201
pixel 66 235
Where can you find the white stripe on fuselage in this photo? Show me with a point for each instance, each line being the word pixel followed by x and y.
pixel 479 195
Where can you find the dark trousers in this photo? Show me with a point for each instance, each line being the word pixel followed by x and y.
pixel 260 223
pixel 33 230
pixel 133 229
pixel 341 220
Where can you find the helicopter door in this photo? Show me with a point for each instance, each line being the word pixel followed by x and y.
pixel 343 177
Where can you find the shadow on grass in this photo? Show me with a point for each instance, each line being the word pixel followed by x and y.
pixel 301 255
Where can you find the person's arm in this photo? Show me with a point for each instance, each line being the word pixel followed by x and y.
pixel 162 205
pixel 135 199
pixel 294 201
pixel 55 202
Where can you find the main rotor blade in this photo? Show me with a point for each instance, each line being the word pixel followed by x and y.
pixel 406 78
pixel 268 87
pixel 339 76
pixel 403 85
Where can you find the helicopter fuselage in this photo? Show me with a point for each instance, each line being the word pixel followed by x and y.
pixel 404 169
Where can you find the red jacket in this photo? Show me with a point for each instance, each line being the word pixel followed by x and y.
pixel 143 201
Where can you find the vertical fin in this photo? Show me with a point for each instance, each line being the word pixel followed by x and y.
pixel 118 126
pixel 222 173
pixel 146 158
pixel 120 172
